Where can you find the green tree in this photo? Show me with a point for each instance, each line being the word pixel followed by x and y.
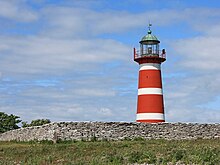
pixel 37 122
pixel 8 122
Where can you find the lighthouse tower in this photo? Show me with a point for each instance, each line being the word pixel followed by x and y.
pixel 150 106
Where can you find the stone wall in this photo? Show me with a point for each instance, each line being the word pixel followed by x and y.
pixel 113 131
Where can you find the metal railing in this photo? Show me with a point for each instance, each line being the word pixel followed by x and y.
pixel 152 53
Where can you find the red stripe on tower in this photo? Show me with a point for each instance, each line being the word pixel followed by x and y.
pixel 150 106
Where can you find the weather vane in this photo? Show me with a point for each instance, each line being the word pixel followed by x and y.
pixel 149 25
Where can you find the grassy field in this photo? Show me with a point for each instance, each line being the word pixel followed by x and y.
pixel 113 152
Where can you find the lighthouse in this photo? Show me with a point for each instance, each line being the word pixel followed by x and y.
pixel 150 104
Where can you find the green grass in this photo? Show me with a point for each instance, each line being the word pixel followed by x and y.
pixel 113 152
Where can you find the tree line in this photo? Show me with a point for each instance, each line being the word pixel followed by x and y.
pixel 10 122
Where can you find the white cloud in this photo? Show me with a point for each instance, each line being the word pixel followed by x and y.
pixel 85 23
pixel 187 98
pixel 106 112
pixel 45 55
pixel 199 87
pixel 199 53
pixel 94 92
pixel 192 114
pixel 198 59
pixel 70 21
pixel 17 10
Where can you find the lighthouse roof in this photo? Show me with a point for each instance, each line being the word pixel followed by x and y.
pixel 149 37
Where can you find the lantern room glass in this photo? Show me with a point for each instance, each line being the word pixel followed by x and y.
pixel 150 49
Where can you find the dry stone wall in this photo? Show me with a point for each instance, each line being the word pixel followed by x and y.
pixel 113 131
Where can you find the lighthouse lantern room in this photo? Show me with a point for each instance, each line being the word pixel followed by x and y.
pixel 150 105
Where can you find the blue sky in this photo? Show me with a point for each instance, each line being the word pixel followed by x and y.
pixel 72 60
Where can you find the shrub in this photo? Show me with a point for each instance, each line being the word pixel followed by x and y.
pixel 37 122
pixel 8 122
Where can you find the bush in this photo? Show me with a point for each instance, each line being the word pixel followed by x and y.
pixel 8 122
pixel 37 122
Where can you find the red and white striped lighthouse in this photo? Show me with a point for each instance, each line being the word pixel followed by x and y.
pixel 150 106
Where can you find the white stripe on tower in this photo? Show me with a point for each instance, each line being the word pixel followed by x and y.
pixel 150 116
pixel 150 66
pixel 145 91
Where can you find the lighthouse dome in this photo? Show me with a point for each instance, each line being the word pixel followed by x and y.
pixel 149 38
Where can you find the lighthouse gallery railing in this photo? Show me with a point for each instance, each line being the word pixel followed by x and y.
pixel 146 53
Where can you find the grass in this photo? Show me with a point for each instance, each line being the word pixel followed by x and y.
pixel 111 152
